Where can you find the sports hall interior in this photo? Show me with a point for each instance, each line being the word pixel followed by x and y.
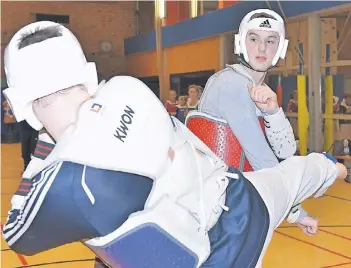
pixel 170 45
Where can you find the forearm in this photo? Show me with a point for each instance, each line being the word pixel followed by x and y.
pixel 280 134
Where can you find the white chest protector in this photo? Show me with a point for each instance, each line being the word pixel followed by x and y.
pixel 126 128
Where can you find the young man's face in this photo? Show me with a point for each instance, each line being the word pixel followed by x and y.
pixel 60 106
pixel 261 48
pixel 193 93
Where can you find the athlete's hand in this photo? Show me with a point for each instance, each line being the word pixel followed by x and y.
pixel 308 225
pixel 264 98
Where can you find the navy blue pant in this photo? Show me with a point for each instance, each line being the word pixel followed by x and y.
pixel 239 235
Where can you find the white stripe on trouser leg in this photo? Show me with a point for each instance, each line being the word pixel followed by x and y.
pixel 86 188
pixel 28 204
pixel 18 230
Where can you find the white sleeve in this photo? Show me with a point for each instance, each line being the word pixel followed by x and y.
pixel 296 214
pixel 280 134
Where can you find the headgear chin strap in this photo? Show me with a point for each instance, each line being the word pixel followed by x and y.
pixel 265 24
pixel 43 68
pixel 246 64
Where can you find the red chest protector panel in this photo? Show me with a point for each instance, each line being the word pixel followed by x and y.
pixel 218 136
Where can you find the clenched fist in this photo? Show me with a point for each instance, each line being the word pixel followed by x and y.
pixel 308 225
pixel 264 98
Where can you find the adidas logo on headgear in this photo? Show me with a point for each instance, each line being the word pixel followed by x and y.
pixel 266 24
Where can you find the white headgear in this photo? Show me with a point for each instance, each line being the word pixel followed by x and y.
pixel 266 24
pixel 43 68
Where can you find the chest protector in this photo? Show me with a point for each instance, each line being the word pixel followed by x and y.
pixel 126 128
pixel 218 136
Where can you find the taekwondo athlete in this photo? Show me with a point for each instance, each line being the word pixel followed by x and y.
pixel 239 112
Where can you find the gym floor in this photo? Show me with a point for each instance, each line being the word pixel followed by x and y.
pixel 289 248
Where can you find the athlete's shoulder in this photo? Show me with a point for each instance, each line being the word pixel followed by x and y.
pixel 227 79
pixel 121 92
pixel 231 72
pixel 124 86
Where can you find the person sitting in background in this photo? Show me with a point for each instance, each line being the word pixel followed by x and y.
pixel 336 104
pixel 200 92
pixel 346 103
pixel 194 96
pixel 345 107
pixel 8 115
pixel 171 104
pixel 182 109
pixel 292 104
pixel 28 137
pixel 292 107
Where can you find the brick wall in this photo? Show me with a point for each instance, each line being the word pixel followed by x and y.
pixel 146 16
pixel 92 22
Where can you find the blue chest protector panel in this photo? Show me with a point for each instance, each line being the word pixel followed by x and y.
pixel 147 246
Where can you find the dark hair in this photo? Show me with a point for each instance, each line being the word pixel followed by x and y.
pixel 39 35
pixel 262 15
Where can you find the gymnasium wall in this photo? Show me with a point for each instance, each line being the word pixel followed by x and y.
pixel 297 34
pixel 189 57
pixel 194 56
pixel 344 43
pixel 195 45
pixel 142 64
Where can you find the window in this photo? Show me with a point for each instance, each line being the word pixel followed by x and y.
pixel 63 19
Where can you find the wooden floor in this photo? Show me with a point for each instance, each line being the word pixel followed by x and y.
pixel 289 248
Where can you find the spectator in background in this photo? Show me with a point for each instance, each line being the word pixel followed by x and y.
pixel 292 107
pixel 29 138
pixel 292 104
pixel 194 92
pixel 171 104
pixel 28 135
pixel 200 92
pixel 9 118
pixel 182 109
pixel 345 107
pixel 336 104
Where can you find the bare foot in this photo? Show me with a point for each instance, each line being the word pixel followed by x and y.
pixel 342 171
